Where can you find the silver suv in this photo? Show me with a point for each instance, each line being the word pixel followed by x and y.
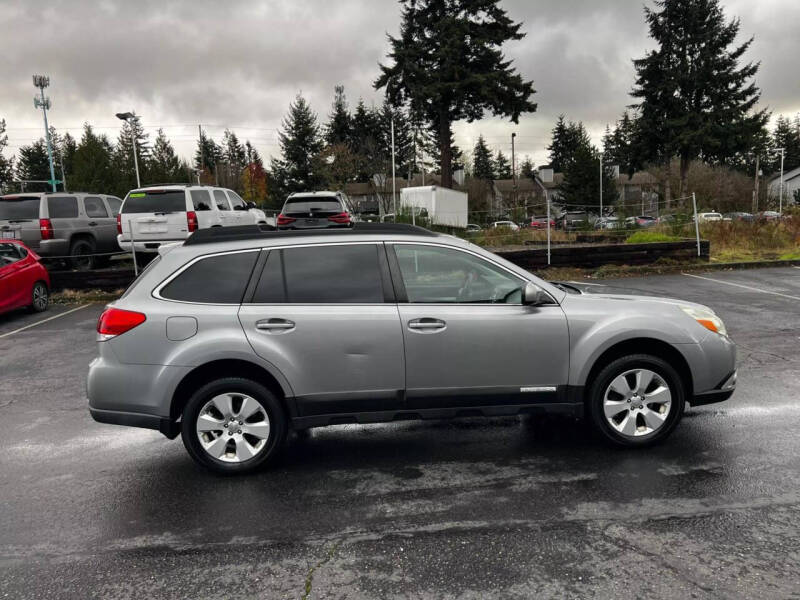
pixel 77 225
pixel 239 334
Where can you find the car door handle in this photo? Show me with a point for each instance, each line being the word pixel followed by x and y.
pixel 427 324
pixel 92 223
pixel 275 325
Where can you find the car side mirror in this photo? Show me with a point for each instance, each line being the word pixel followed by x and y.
pixel 533 295
pixel 251 205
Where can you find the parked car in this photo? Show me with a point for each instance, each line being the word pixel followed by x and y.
pixel 315 210
pixel 24 282
pixel 162 214
pixel 505 225
pixel 738 216
pixel 574 219
pixel 608 223
pixel 383 322
pixel 76 225
pixel 473 229
pixel 708 217
pixel 641 221
pixel 769 215
pixel 541 222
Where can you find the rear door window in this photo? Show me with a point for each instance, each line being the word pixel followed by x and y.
pixel 236 201
pixel 201 200
pixel 154 201
pixel 19 208
pixel 346 274
pixel 62 207
pixel 222 200
pixel 218 279
pixel 94 207
pixel 114 203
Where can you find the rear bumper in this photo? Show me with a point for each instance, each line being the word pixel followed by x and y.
pixel 52 248
pixel 168 427
pixel 144 246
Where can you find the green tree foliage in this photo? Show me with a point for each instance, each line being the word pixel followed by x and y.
pixel 251 155
pixel 301 142
pixel 208 153
pixel 568 138
pixel 527 169
pixel 33 164
pixel 448 66
pixel 233 151
pixel 94 165
pixel 482 164
pixel 502 166
pixel 364 142
pixel 786 135
pixel 6 164
pixel 164 165
pixel 67 152
pixel 122 156
pixel 338 130
pixel 695 98
pixel 620 146
pixel 581 185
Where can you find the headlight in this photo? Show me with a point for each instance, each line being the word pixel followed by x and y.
pixel 706 318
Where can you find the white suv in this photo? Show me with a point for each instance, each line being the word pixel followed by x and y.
pixel 156 215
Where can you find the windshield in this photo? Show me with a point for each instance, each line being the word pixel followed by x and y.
pixel 20 208
pixel 155 201
pixel 309 204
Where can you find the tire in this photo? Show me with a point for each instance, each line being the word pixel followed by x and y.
pixel 622 415
pixel 78 250
pixel 40 297
pixel 224 448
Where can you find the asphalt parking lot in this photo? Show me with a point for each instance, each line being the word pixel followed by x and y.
pixel 511 508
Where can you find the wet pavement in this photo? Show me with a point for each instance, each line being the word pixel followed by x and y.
pixel 507 508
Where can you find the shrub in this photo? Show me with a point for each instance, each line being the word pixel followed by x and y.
pixel 646 237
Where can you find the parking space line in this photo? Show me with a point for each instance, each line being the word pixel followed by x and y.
pixel 43 321
pixel 747 287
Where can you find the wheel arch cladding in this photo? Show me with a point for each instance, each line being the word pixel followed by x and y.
pixel 217 369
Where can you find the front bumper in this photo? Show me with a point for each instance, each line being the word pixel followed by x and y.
pixel 720 394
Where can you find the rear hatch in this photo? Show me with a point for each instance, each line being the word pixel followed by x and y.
pixel 154 215
pixel 19 218
pixel 312 211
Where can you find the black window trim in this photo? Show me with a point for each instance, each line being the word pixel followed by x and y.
pixel 156 293
pixel 386 279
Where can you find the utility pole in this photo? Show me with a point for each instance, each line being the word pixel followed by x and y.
pixel 601 185
pixel 394 196
pixel 514 172
pixel 202 153
pixel 41 82
pixel 755 190
pixel 780 192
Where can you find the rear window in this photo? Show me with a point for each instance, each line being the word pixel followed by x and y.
pixel 310 204
pixel 20 208
pixel 155 201
pixel 214 280
pixel 62 207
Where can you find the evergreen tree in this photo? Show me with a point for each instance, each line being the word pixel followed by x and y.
pixel 6 164
pixel 527 169
pixel 365 143
pixel 482 164
pixel 94 168
pixel 67 151
pixel 568 138
pixel 696 100
pixel 208 153
pixel 300 142
pixel 338 128
pixel 448 65
pixel 233 151
pixel 581 185
pixel 456 156
pixel 786 135
pixel 33 164
pixel 620 146
pixel 251 155
pixel 403 140
pixel 165 166
pixel 502 168
pixel 123 162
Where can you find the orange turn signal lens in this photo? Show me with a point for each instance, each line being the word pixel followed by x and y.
pixel 708 324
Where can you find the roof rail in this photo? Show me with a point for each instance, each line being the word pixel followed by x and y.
pixel 251 232
pixel 146 185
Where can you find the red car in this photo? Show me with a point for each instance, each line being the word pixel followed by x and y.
pixel 24 282
pixel 541 223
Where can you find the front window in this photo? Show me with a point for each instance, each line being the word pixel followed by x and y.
pixel 433 274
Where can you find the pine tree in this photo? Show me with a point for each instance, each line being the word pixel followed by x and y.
pixel 208 153
pixel 696 100
pixel 568 138
pixel 527 169
pixel 502 167
pixel 301 142
pixel 338 130
pixel 93 163
pixel 619 146
pixel 233 151
pixel 67 151
pixel 448 65
pixel 251 155
pixel 482 164
pixel 581 185
pixel 365 143
pixel 6 164
pixel 34 165
pixel 786 135
pixel 123 161
pixel 165 166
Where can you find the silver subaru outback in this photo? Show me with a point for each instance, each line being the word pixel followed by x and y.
pixel 238 335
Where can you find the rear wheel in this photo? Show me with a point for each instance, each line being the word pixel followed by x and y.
pixel 636 400
pixel 40 297
pixel 233 425
pixel 80 252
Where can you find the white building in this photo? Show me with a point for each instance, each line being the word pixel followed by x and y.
pixel 791 185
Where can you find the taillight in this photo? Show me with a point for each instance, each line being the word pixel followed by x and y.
pixel 119 224
pixel 343 218
pixel 191 220
pixel 284 220
pixel 46 228
pixel 115 321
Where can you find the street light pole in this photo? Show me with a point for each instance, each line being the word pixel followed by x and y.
pixel 41 82
pixel 394 197
pixel 514 173
pixel 601 185
pixel 780 192
pixel 130 118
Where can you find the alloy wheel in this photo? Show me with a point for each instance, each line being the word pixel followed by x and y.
pixel 233 427
pixel 637 402
pixel 39 297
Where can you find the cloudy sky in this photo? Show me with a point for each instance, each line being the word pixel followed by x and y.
pixel 239 64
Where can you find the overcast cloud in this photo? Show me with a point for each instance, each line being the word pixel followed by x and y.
pixel 239 64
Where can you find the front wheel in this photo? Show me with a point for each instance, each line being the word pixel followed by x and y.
pixel 233 425
pixel 40 297
pixel 636 400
